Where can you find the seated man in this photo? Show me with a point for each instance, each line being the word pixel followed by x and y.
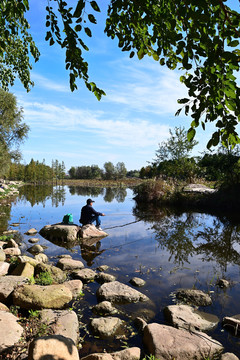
pixel 89 215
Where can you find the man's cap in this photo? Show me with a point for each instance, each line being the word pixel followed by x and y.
pixel 89 201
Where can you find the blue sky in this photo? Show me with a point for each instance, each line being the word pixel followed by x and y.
pixel 126 125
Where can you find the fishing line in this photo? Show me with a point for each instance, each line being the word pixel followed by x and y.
pixel 113 227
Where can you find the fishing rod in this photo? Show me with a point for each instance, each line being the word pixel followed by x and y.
pixel 130 223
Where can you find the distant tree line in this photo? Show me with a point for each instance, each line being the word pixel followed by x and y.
pixel 109 171
pixel 173 160
pixel 36 172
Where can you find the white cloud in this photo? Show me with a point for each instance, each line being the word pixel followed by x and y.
pixel 48 84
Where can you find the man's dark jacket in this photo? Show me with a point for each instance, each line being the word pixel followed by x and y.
pixel 87 214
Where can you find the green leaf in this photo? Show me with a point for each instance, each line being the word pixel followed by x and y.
pixel 132 53
pixel 79 8
pixel 92 18
pixel 190 134
pixel 88 31
pixel 233 43
pixel 183 101
pixel 95 6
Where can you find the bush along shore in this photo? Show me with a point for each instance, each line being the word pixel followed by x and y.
pixel 9 188
pixel 38 319
pixel 192 196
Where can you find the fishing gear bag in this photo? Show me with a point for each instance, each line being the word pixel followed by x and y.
pixel 68 219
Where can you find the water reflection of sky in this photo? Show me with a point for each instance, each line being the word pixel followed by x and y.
pixel 189 250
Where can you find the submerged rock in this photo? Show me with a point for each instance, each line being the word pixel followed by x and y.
pixel 31 231
pixel 104 308
pixel 117 292
pixel 135 281
pixel 195 297
pixel 166 342
pixel 186 317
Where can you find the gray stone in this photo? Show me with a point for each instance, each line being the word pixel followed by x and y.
pixel 69 264
pixel 62 322
pixel 133 353
pixel 8 284
pixel 2 255
pixel 75 286
pixel 31 231
pixel 118 292
pixel 137 281
pixel 4 266
pixel 140 324
pixel 3 307
pixel 104 278
pixel 33 240
pixel 41 258
pixel 105 326
pixel 53 347
pixel 35 249
pixel 186 317
pixel 27 259
pixel 24 269
pixel 10 330
pixel 42 297
pixel 104 308
pixel 195 297
pixel 103 268
pixel 10 244
pixel 198 188
pixel 57 274
pixel 90 231
pixel 222 283
pixel 12 251
pixel 166 342
pixel 229 356
pixel 85 275
pixel 64 256
pixel 10 232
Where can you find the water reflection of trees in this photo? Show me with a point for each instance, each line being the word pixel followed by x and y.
pixel 109 193
pixel 190 233
pixel 42 193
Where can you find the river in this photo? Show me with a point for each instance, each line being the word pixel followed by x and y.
pixel 167 248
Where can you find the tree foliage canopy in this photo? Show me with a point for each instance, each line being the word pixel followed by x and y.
pixel 199 37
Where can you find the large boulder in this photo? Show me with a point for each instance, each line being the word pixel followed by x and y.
pixel 62 322
pixel 198 188
pixel 90 231
pixel 167 343
pixel 186 317
pixel 61 232
pixel 10 330
pixel 8 284
pixel 53 347
pixel 117 292
pixel 57 274
pixel 42 297
pixel 24 269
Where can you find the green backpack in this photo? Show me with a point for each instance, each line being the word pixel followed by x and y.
pixel 68 219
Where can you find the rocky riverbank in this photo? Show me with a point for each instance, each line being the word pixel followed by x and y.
pixel 9 188
pixel 38 317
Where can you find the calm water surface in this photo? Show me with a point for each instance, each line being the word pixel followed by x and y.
pixel 167 248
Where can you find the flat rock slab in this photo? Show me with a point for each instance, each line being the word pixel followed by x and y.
pixel 186 317
pixel 10 330
pixel 133 353
pixel 117 292
pixel 198 188
pixel 31 231
pixel 42 297
pixel 167 343
pixel 53 347
pixel 105 326
pixel 8 284
pixel 62 322
pixel 69 264
pixel 85 275
pixel 4 266
pixel 90 231
pixel 195 297
pixel 60 232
